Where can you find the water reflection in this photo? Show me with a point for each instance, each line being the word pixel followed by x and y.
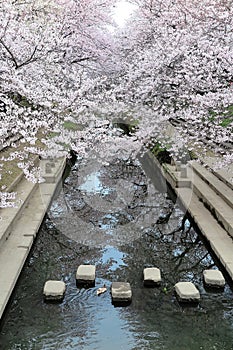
pixel 93 184
pixel 148 231
pixel 113 257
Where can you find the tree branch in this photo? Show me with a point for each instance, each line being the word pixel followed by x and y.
pixel 17 65
pixel 78 60
pixel 30 59
pixel 10 53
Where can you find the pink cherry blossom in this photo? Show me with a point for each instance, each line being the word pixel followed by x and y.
pixel 60 63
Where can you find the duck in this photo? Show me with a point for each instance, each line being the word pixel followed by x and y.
pixel 101 290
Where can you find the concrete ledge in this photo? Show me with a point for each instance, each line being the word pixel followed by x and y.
pixel 9 273
pixel 20 228
pixel 219 205
pixel 223 249
pixel 51 170
pixel 174 177
pixel 229 268
pixel 221 242
pixel 224 191
pixel 224 175
pixel 25 191
pixel 216 204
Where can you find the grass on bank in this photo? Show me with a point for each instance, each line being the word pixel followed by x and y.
pixel 9 172
pixel 226 116
pixel 9 169
pixel 163 155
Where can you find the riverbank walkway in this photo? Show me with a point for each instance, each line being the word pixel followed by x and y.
pixel 19 225
pixel 207 195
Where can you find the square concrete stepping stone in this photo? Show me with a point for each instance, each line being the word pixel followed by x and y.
pixel 121 292
pixel 214 278
pixel 85 275
pixel 187 292
pixel 54 290
pixel 152 276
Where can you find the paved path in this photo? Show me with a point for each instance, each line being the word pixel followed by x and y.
pixel 19 226
pixel 207 195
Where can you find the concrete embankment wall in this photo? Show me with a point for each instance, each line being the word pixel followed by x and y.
pixel 19 225
pixel 208 199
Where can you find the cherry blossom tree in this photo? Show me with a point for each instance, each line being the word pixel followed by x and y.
pixel 177 66
pixel 67 61
pixel 50 52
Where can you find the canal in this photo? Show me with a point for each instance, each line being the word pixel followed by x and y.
pixel 115 217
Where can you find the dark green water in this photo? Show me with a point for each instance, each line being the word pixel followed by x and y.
pixel 113 217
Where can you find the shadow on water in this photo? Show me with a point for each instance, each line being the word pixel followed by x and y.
pixel 114 217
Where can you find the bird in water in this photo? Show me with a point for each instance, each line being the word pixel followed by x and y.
pixel 101 290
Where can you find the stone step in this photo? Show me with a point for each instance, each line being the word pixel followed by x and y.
pixel 9 272
pixel 220 242
pixel 20 225
pixel 224 174
pixel 24 190
pixel 15 249
pixel 214 202
pixel 220 187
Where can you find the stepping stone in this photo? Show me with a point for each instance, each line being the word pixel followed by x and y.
pixel 187 292
pixel 85 274
pixel 121 292
pixel 54 290
pixel 214 278
pixel 152 276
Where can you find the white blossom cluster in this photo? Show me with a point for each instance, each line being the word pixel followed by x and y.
pixel 61 66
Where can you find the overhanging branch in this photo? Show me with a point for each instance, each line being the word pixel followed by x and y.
pixel 16 64
pixel 10 53
pixel 78 60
